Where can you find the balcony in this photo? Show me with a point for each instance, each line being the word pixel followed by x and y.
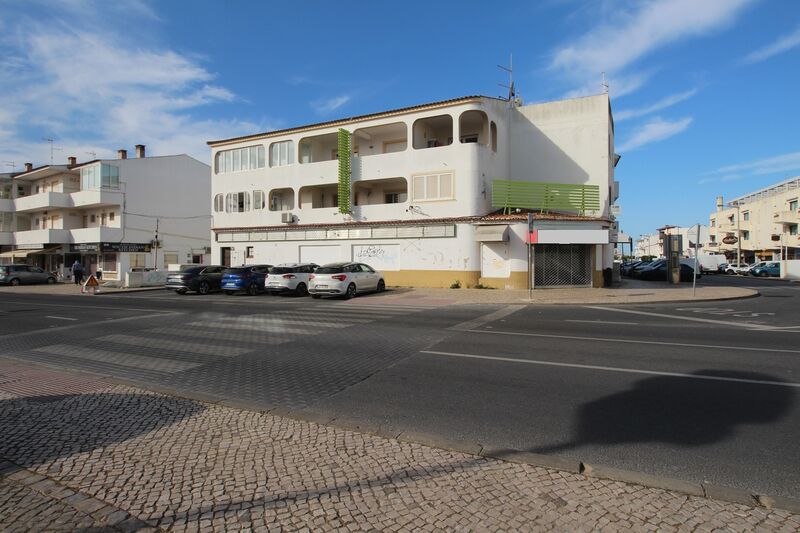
pixel 42 236
pixel 100 234
pixel 42 201
pixel 6 238
pixel 96 198
pixel 6 205
pixel 787 217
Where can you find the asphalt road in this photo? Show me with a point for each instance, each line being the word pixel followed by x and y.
pixel 702 391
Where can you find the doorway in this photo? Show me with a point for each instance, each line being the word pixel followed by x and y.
pixel 225 256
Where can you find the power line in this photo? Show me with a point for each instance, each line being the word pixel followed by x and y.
pixel 167 217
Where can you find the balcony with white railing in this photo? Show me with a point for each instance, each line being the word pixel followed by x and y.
pixel 96 198
pixel 42 236
pixel 42 201
pixel 97 234
pixel 787 217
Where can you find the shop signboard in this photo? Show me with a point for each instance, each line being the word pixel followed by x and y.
pixel 91 247
pixel 126 247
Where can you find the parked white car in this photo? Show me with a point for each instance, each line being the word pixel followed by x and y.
pixel 289 277
pixel 345 279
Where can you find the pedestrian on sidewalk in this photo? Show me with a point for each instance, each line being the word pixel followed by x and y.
pixel 77 272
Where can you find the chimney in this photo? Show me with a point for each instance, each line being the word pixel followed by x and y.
pixel 720 204
pixel 28 167
pixel 122 154
pixel 72 161
pixel 139 150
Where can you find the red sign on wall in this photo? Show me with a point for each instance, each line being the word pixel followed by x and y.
pixel 533 236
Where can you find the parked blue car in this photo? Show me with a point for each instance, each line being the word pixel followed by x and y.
pixel 246 278
pixel 770 269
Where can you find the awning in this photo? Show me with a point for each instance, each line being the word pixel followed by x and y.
pixel 26 253
pixel 496 233
pixel 16 253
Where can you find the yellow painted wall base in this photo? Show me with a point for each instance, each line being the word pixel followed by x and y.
pixel 517 280
pixel 431 278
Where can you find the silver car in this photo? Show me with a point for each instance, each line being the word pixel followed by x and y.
pixel 24 275
pixel 345 279
pixel 289 277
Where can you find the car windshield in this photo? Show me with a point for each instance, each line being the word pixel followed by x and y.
pixel 240 270
pixel 330 269
pixel 191 269
pixel 282 270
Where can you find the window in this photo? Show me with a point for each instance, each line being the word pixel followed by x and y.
pixel 713 238
pixel 250 252
pixel 395 197
pixel 103 219
pixel 109 262
pixel 713 223
pixel 746 216
pixel 793 205
pixel 433 187
pixel 138 260
pixel 111 216
pixel 85 221
pixel 197 259
pixel 240 159
pixel 219 203
pixel 109 176
pixel 93 218
pixel 494 136
pixel 237 202
pixel 792 229
pixel 170 258
pixel 281 153
pixel 259 200
pixel 746 235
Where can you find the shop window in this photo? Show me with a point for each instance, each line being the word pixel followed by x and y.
pixel 109 262
pixel 170 258
pixel 138 260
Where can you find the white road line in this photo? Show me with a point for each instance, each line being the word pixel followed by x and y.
pixel 60 317
pixel 616 369
pixel 83 324
pixel 118 358
pixel 257 335
pixel 331 314
pixel 604 322
pixel 333 321
pixel 630 341
pixel 186 346
pixel 485 319
pixel 90 307
pixel 386 307
pixel 750 325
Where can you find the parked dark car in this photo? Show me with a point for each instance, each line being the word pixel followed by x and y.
pixel 772 269
pixel 637 270
pixel 628 267
pixel 659 272
pixel 247 278
pixel 24 275
pixel 199 278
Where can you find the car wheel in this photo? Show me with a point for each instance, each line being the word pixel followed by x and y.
pixel 203 288
pixel 381 286
pixel 763 274
pixel 252 290
pixel 229 293
pixel 351 291
pixel 14 282
pixel 180 291
pixel 51 280
pixel 301 289
pixel 316 296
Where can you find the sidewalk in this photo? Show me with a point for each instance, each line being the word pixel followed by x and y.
pixel 630 292
pixel 79 451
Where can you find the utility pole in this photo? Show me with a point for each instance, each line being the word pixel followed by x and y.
pixel 155 247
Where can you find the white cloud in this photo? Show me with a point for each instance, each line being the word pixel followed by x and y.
pixel 769 165
pixel 325 106
pixel 664 103
pixel 615 45
pixel 654 131
pixel 784 43
pixel 98 90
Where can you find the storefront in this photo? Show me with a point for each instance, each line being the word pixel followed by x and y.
pixel 110 260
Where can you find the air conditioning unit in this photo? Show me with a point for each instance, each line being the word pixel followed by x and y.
pixel 287 218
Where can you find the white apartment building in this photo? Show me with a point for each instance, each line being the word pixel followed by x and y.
pixel 110 214
pixel 759 226
pixel 653 244
pixel 414 198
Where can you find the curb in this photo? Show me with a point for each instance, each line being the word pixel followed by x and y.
pixel 693 300
pixel 554 462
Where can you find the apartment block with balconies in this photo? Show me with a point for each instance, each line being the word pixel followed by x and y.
pixel 410 191
pixel 110 214
pixel 759 226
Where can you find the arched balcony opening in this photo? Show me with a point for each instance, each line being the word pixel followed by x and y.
pixel 319 196
pixel 383 139
pixel 473 127
pixel 281 199
pixel 319 148
pixel 433 132
pixel 382 191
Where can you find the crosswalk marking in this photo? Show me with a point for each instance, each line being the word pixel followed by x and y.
pixel 257 335
pixel 191 347
pixel 118 358
pixel 268 328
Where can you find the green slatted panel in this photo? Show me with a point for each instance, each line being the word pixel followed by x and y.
pixel 344 170
pixel 545 196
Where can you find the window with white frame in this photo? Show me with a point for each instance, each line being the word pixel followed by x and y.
pixel 237 202
pixel 138 260
pixel 281 153
pixel 433 187
pixel 240 159
pixel 219 203
pixel 259 200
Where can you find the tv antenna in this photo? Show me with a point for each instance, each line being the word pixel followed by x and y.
pixel 510 69
pixel 93 154
pixel 11 164
pixel 52 148
pixel 604 83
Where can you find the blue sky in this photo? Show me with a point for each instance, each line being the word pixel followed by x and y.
pixel 704 93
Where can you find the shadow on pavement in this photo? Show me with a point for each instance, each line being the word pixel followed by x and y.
pixel 680 411
pixel 39 429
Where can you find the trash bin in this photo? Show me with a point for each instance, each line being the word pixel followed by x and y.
pixel 608 274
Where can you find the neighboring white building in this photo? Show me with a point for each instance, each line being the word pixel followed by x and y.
pixel 653 244
pixel 419 203
pixel 759 226
pixel 106 214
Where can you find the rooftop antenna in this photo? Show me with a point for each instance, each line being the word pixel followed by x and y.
pixel 52 148
pixel 510 69
pixel 604 83
pixel 11 164
pixel 93 154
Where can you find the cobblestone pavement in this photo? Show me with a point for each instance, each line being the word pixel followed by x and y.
pixel 97 456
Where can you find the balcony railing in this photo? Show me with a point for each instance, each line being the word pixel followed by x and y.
pixel 545 196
